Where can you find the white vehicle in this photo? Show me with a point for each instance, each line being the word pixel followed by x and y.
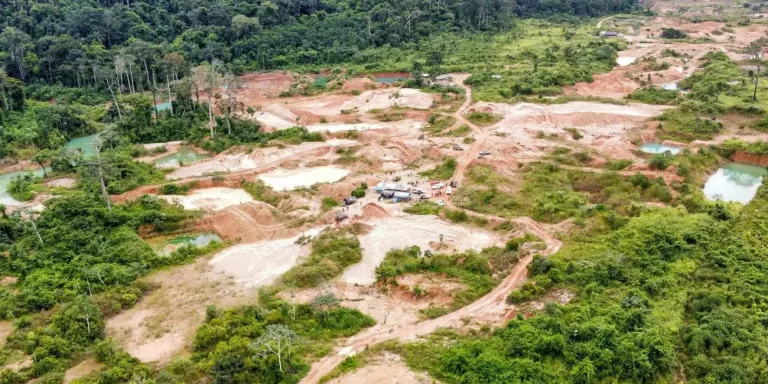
pixel 438 186
pixel 449 191
pixel 441 203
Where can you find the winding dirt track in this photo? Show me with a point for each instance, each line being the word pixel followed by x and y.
pixel 489 303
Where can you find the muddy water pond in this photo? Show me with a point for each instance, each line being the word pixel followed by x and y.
pixel 735 182
pixel 655 148
pixel 185 155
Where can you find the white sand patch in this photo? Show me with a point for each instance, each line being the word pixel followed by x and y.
pixel 388 98
pixel 625 61
pixel 407 124
pixel 260 264
pixel 210 199
pixel 401 232
pixel 288 180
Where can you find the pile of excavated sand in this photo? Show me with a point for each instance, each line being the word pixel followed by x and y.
pixel 271 120
pixel 276 116
pixel 406 231
pixel 210 199
pixel 288 180
pixel 388 98
pixel 242 162
pixel 260 264
pixel 403 124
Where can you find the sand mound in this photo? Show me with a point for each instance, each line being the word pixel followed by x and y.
pixel 246 223
pixel 210 199
pixel 373 211
pixel 403 124
pixel 260 85
pixel 287 180
pixel 358 84
pixel 400 232
pixel 337 191
pixel 388 98
pixel 273 121
pixel 614 84
pixel 262 263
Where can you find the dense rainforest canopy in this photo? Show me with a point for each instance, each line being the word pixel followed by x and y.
pixel 68 41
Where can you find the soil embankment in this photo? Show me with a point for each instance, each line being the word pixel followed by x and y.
pixel 748 158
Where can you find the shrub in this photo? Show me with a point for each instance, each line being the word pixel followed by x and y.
pixel 660 161
pixel 672 33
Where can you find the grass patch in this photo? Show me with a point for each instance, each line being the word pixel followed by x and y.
pixel 443 171
pixel 483 118
pixel 332 252
pixel 262 192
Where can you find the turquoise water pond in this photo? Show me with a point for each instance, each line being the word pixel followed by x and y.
pixel 659 148
pixel 164 106
pixel 185 155
pixel 6 178
pixel 84 144
pixel 735 182
pixel 199 240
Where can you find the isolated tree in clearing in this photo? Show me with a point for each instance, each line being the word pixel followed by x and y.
pixel 277 340
pixel 756 51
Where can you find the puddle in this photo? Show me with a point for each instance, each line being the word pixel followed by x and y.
pixel 670 86
pixel 184 156
pixel 5 180
pixel 735 182
pixel 287 180
pixel 198 240
pixel 84 145
pixel 659 148
pixel 624 61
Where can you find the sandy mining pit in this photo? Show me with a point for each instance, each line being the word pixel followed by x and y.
pixel 406 231
pixel 288 180
pixel 526 119
pixel 236 162
pixel 210 199
pixel 259 264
